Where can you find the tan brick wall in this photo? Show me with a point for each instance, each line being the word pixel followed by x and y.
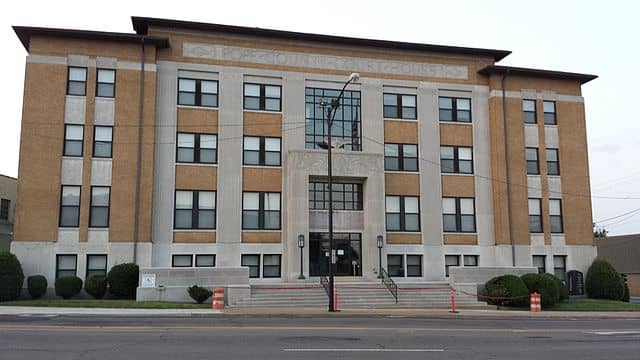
pixel 197 120
pixel 458 186
pixel 401 132
pixel 262 179
pixel 460 239
pixel 402 184
pixel 87 155
pixel 194 237
pixel 44 45
pixel 518 83
pixel 262 124
pixel 633 281
pixel 456 135
pixel 257 237
pixel 194 177
pixel 408 239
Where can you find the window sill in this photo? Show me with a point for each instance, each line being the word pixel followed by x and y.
pixel 263 111
pixel 459 233
pixel 455 122
pixel 195 230
pixel 196 164
pixel 76 96
pixel 99 228
pixel 456 174
pixel 401 172
pixel 401 119
pixel 403 232
pixel 198 107
pixel 263 166
pixel 108 98
pixel 262 230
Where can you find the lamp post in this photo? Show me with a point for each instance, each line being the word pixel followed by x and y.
pixel 301 246
pixel 380 245
pixel 332 246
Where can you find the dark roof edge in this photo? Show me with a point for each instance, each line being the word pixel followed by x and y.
pixel 500 69
pixel 26 32
pixel 141 26
pixel 10 177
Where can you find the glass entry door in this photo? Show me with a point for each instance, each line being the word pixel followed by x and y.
pixel 348 251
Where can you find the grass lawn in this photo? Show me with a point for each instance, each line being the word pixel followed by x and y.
pixel 92 303
pixel 594 305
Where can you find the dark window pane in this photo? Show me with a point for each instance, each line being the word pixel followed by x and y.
pixel 391 163
pixel 272 104
pixel 186 98
pixel 206 219
pixel 556 224
pixel 106 90
pixel 272 219
pixel 447 166
pixel 410 164
pixel 449 223
pixel 272 158
pixel 408 113
pixel 468 223
pixel 553 168
pixel 464 116
pixel 549 119
pixel 73 148
pixel 209 100
pixel 183 219
pixel 529 117
pixel 412 222
pixel 393 222
pixel 69 216
pixel 99 217
pixel 465 166
pixel 535 223
pixel 185 154
pixel 102 149
pixel 207 156
pixel 390 111
pixel 252 103
pixel 76 88
pixel 251 157
pixel 250 219
pixel 446 115
pixel 532 168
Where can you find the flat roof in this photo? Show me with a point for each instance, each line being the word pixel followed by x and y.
pixel 26 32
pixel 500 69
pixel 141 26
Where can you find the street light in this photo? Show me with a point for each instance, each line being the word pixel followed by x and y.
pixel 301 246
pixel 330 115
pixel 380 245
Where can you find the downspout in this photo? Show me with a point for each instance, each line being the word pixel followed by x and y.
pixel 506 155
pixel 136 218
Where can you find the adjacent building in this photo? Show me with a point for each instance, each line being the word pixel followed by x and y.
pixel 8 190
pixel 201 145
pixel 623 252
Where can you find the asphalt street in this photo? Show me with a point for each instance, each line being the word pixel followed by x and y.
pixel 316 337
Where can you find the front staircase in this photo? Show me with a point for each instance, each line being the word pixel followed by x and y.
pixel 356 295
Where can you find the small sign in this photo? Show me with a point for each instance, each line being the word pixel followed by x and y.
pixel 340 252
pixel 148 280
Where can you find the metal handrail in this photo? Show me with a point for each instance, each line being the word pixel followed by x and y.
pixel 390 284
pixel 325 284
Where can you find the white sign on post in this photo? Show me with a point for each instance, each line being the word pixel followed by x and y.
pixel 148 280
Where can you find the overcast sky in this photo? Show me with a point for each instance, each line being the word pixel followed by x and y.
pixel 596 37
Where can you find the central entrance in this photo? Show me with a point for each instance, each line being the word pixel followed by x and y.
pixel 348 251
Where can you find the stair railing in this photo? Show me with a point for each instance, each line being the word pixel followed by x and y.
pixel 390 284
pixel 325 284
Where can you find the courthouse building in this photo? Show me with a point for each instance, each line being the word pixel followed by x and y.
pixel 193 145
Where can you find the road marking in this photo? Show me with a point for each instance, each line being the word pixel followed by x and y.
pixel 363 350
pixel 631 332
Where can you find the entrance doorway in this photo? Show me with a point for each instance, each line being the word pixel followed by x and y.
pixel 348 251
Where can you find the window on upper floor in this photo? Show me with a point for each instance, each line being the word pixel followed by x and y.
pixel 106 83
pixel 549 108
pixel 346 127
pixel 454 109
pixel 533 166
pixel 399 106
pixel 261 210
pixel 529 110
pixel 69 206
pixel 539 262
pixel 4 209
pixel 197 92
pixel 259 150
pixel 346 196
pixel 401 157
pixel 535 216
pixel 555 213
pixel 456 159
pixel 66 265
pixel 458 214
pixel 73 139
pixel 262 97
pixel 99 207
pixel 96 265
pixel 553 162
pixel 197 148
pixel 77 81
pixel 402 213
pixel 102 141
pixel 195 209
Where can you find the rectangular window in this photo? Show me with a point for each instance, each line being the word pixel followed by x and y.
pixel 69 206
pixel 96 265
pixel 458 215
pixel 346 123
pixel 549 108
pixel 454 109
pixel 529 110
pixel 102 141
pixel 555 212
pixel 263 151
pixel 346 196
pixel 197 148
pixel 449 261
pixel 195 209
pixel 262 97
pixel 553 162
pixel 99 207
pixel 73 139
pixel 533 167
pixel 456 159
pixel 402 213
pixel 271 265
pixel 205 260
pixel 253 262
pixel 395 265
pixel 261 210
pixel 106 83
pixel 414 265
pixel 399 106
pixel 4 209
pixel 182 261
pixel 535 216
pixel 401 157
pixel 539 261
pixel 470 260
pixel 66 265
pixel 196 92
pixel 77 81
pixel 560 267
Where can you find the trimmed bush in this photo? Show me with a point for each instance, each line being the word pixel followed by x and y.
pixel 37 286
pixel 68 286
pixel 603 281
pixel 507 286
pixel 11 277
pixel 545 285
pixel 123 280
pixel 199 293
pixel 96 286
pixel 562 288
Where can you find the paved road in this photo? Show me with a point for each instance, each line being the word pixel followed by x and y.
pixel 316 337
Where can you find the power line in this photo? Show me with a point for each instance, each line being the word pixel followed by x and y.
pixel 618 216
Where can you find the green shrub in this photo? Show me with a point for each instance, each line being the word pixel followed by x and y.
pixel 562 288
pixel 68 286
pixel 96 286
pixel 123 280
pixel 604 282
pixel 37 286
pixel 507 286
pixel 545 285
pixel 199 294
pixel 11 277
